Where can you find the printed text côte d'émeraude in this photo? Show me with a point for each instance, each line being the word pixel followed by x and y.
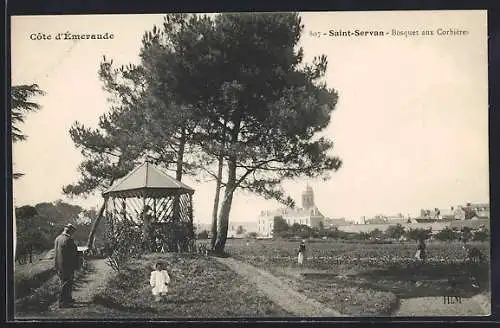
pixel 72 36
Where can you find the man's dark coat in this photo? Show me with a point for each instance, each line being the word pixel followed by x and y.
pixel 66 256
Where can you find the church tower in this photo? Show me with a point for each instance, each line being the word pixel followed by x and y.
pixel 308 198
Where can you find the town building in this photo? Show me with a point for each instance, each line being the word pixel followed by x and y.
pixel 481 211
pixel 451 213
pixel 308 214
pixel 387 219
pixel 336 222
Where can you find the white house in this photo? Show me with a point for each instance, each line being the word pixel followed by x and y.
pixel 308 215
pixel 482 211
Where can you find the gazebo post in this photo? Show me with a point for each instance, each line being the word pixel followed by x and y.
pixel 154 208
pixel 146 229
pixel 124 209
pixel 190 207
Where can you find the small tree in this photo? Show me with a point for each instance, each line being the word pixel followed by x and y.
pixel 280 225
pixel 417 234
pixel 305 231
pixel 447 234
pixel 363 235
pixel 377 233
pixel 466 234
pixel 33 232
pixel 203 234
pixel 469 212
pixel 240 230
pixel 481 235
pixel 333 233
pixel 395 231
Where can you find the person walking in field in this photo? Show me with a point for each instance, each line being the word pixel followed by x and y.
pixel 421 255
pixel 159 280
pixel 421 250
pixel 302 252
pixel 66 263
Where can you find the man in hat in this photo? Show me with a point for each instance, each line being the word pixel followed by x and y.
pixel 66 262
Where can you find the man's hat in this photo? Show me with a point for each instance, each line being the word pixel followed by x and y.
pixel 69 226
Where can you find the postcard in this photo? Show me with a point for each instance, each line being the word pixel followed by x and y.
pixel 251 165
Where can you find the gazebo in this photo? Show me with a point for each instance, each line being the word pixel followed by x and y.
pixel 150 198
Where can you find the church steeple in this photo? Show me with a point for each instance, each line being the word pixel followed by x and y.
pixel 308 198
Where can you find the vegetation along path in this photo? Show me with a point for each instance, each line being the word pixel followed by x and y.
pixel 278 292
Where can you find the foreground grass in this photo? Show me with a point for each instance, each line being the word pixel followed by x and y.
pixel 200 288
pixel 41 298
pixel 28 277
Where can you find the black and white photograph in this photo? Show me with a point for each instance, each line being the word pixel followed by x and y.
pixel 261 165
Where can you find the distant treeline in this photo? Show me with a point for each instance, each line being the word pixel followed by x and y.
pixel 37 226
pixel 393 232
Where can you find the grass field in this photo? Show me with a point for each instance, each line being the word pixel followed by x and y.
pixel 366 279
pixel 30 276
pixel 357 279
pixel 200 288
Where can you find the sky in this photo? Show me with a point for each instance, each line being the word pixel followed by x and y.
pixel 411 123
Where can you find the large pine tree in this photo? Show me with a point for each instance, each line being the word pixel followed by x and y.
pixel 256 105
pixel 229 95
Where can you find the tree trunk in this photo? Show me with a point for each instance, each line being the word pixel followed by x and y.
pixel 90 241
pixel 178 174
pixel 216 200
pixel 30 250
pixel 146 232
pixel 180 155
pixel 223 221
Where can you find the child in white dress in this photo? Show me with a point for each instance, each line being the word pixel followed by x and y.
pixel 159 281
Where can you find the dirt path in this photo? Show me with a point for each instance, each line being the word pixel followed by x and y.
pixel 86 288
pixel 278 292
pixel 298 304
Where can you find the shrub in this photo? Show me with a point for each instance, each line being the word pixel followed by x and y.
pixel 203 249
pixel 177 236
pixel 252 235
pixel 203 235
pixel 377 233
pixel 122 244
pixel 416 234
pixel 466 234
pixel 395 231
pixel 481 235
pixel 447 234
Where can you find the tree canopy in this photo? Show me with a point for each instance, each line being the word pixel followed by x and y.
pixel 38 225
pixel 227 95
pixel 22 104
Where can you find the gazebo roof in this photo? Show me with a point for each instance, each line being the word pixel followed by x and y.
pixel 147 180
